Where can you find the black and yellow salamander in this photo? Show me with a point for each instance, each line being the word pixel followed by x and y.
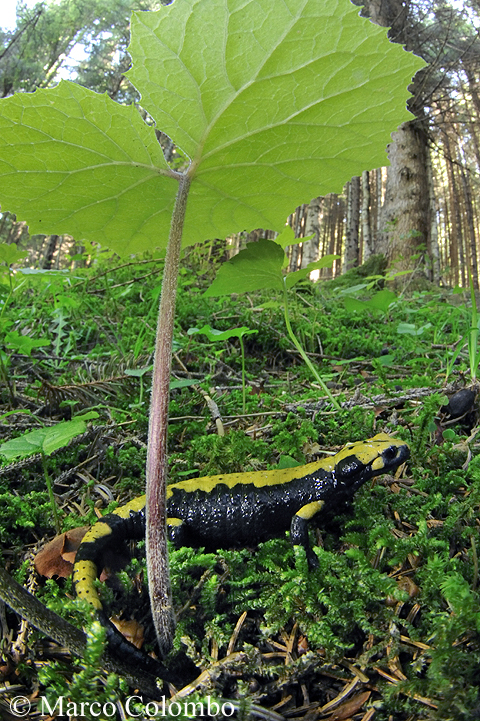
pixel 243 509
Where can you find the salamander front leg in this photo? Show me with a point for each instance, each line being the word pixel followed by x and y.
pixel 176 531
pixel 299 529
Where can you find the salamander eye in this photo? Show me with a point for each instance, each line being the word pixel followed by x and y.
pixel 390 453
pixel 348 467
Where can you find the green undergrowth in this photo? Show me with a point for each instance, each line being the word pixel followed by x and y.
pixel 357 605
pixel 112 317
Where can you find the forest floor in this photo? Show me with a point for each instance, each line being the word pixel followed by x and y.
pixel 387 628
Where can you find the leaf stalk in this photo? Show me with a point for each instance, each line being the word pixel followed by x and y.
pixel 156 467
pixel 300 349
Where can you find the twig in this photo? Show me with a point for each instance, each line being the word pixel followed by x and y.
pixel 64 633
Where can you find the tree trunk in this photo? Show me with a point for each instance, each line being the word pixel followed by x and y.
pixel 470 225
pixel 294 259
pixel 378 207
pixel 457 260
pixel 312 227
pixel 340 227
pixel 433 248
pixel 406 209
pixel 351 254
pixel 366 228
pixel 47 261
pixel 332 218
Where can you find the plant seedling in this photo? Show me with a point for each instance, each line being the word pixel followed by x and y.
pixel 45 441
pixel 472 339
pixel 259 267
pixel 271 103
pixel 473 333
pixel 219 335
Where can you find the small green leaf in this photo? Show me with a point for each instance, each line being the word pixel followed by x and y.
pixel 287 237
pixel 45 440
pixel 60 435
pixel 215 335
pixel 183 383
pixel 257 267
pixel 411 328
pixel 353 305
pixel 352 289
pixel 23 343
pixel 287 462
pixel 325 262
pixel 385 360
pixel 382 300
pixel 9 253
pixel 88 416
pixel 24 446
pixel 407 328
pixel 137 372
pixel 271 304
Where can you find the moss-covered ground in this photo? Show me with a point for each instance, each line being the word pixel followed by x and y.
pixel 388 627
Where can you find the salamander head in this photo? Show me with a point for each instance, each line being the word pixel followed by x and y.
pixel 358 462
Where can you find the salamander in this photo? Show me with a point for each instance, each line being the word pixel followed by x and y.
pixel 243 509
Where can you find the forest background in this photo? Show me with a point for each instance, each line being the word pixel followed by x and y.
pixel 421 212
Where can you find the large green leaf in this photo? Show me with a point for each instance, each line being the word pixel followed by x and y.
pixel 259 266
pixel 73 161
pixel 256 267
pixel 274 102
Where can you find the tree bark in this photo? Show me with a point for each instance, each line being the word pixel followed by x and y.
pixel 406 209
pixel 365 215
pixel 312 227
pixel 457 259
pixel 351 254
pixel 470 224
pixel 433 248
pixel 47 260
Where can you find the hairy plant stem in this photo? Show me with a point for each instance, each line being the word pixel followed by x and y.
pixel 156 470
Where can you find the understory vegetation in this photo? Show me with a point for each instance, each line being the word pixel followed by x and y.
pixel 388 626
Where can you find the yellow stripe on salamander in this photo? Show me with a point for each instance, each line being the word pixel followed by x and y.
pixel 85 573
pixel 365 451
pixel 309 510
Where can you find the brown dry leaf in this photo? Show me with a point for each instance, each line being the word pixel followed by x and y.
pixel 312 448
pixel 347 709
pixel 406 584
pixel 302 645
pixel 131 630
pixel 57 557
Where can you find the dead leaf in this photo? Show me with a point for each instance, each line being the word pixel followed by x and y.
pixel 347 709
pixel 57 557
pixel 406 584
pixel 131 630
pixel 302 645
